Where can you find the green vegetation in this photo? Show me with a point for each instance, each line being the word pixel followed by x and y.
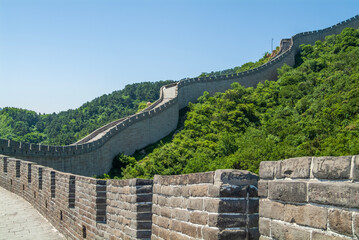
pixel 69 126
pixel 312 110
pixel 245 67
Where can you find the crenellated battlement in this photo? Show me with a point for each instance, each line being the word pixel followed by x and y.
pixel 94 153
pixel 297 198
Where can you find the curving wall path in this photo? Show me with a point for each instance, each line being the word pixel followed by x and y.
pixel 94 153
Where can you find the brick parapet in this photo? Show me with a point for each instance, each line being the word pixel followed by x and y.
pixel 212 205
pixel 82 207
pixel 309 198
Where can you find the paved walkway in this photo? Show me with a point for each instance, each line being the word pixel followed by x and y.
pixel 20 220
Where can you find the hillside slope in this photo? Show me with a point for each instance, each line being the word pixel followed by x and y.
pixel 311 110
pixel 69 126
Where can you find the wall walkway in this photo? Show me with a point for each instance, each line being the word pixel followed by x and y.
pixel 19 220
pixel 94 154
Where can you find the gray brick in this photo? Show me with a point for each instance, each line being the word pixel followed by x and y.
pixel 288 191
pixel 332 167
pixel 337 194
pixel 295 168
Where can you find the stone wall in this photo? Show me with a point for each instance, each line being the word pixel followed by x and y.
pixel 94 153
pixel 82 207
pixel 212 205
pixel 313 198
pixel 301 198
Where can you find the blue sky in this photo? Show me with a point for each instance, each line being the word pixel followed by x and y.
pixel 58 54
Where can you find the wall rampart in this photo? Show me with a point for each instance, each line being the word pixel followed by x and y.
pixel 212 205
pixel 299 198
pixel 94 154
pixel 309 198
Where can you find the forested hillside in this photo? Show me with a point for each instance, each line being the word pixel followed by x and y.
pixel 69 126
pixel 312 110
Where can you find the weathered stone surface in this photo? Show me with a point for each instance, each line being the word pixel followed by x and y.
pixel 190 230
pixel 223 221
pixel 356 168
pixel 210 233
pixel 307 215
pixel 227 190
pixel 263 188
pixel 232 206
pixel 286 232
pixel 232 235
pixel 335 193
pixel 253 234
pixel 253 205
pixel 264 238
pixel 199 190
pixel 269 169
pixel 235 177
pixel 340 221
pixel 356 224
pixel 271 209
pixel 264 226
pixel 295 168
pixel 324 236
pixel 199 218
pixel 332 167
pixel 288 191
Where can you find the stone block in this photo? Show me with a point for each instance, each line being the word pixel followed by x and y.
pixel 210 233
pixel 253 220
pixel 232 206
pixel 264 226
pixel 253 191
pixel 271 209
pixel 200 218
pixel 207 177
pixel 269 169
pixel 190 230
pixel 332 167
pixel 340 221
pixel 227 190
pixel 324 236
pixel 195 204
pixel 307 215
pixel 232 234
pixel 199 190
pixel 181 214
pixel 295 168
pixel 335 193
pixel 177 236
pixel 287 232
pixel 223 221
pixel 253 234
pixel 176 225
pixel 288 191
pixel 211 204
pixel 356 224
pixel 253 206
pixel 235 177
pixel 263 188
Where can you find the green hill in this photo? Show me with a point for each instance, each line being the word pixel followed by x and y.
pixel 69 126
pixel 311 110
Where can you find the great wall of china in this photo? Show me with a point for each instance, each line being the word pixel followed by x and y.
pixel 301 198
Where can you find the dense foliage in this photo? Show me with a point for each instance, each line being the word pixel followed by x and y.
pixel 69 126
pixel 312 110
